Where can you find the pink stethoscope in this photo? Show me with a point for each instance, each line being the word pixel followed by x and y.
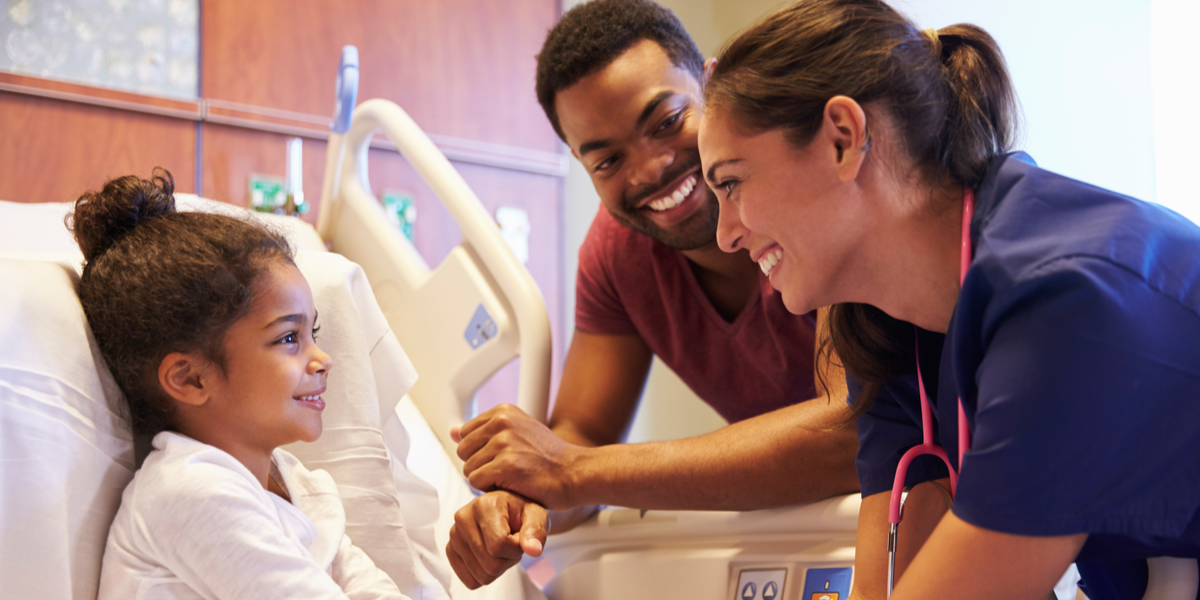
pixel 895 512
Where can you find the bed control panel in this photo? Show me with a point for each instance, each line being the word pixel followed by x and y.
pixel 790 582
pixel 760 584
pixel 827 584
pixel 481 328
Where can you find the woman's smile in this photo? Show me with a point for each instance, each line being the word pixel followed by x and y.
pixel 768 259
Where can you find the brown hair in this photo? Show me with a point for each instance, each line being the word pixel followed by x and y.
pixel 157 281
pixel 948 94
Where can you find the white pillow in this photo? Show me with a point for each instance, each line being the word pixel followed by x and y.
pixel 65 455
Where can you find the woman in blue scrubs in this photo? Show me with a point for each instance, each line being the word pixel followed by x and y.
pixel 844 144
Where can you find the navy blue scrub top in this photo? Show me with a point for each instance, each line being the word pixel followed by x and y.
pixel 1075 346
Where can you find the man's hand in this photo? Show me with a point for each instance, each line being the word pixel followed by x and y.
pixel 504 448
pixel 492 533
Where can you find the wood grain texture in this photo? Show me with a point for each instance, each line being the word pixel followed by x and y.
pixel 462 68
pixel 52 151
pixel 231 155
pixel 88 94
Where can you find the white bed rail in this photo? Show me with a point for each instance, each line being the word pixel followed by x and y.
pixel 475 312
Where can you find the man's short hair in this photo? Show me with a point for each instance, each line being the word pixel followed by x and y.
pixel 593 34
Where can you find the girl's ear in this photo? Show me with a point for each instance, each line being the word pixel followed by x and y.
pixel 182 377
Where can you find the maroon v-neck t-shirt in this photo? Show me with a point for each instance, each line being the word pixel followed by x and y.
pixel 631 284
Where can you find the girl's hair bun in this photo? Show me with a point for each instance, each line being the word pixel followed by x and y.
pixel 102 218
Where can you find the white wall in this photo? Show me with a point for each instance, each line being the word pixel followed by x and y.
pixel 1082 73
pixel 1175 72
pixel 1106 86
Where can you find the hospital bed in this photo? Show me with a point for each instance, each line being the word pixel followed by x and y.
pixel 410 345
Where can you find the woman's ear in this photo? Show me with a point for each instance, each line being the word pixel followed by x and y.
pixel 182 377
pixel 845 124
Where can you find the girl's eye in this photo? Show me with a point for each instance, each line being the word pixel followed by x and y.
pixel 289 339
pixel 728 186
pixel 315 330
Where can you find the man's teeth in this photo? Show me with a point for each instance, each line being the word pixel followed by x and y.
pixel 767 262
pixel 676 197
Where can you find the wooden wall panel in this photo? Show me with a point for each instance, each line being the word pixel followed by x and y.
pixel 230 155
pixel 462 68
pixel 52 150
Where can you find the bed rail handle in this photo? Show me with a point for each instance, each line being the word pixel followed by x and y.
pixel 479 231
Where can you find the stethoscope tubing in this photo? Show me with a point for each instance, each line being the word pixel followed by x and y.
pixel 928 446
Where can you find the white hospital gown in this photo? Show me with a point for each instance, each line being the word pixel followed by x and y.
pixel 194 523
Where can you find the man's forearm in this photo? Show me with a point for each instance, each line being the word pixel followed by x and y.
pixel 798 454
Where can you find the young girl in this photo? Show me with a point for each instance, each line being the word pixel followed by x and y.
pixel 210 331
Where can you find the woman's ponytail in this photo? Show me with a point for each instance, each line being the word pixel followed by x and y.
pixel 981 117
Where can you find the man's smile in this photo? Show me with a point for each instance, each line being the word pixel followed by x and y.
pixel 675 198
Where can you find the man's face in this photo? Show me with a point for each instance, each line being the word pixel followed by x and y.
pixel 633 125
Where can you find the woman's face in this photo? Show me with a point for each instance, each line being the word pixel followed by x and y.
pixel 788 206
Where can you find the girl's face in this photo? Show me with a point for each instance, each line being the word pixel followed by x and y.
pixel 788 206
pixel 275 374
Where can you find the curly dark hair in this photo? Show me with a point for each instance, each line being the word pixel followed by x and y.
pixel 157 281
pixel 593 34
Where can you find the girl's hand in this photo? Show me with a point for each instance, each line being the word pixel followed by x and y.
pixel 492 533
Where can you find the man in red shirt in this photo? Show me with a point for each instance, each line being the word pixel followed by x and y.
pixel 620 80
